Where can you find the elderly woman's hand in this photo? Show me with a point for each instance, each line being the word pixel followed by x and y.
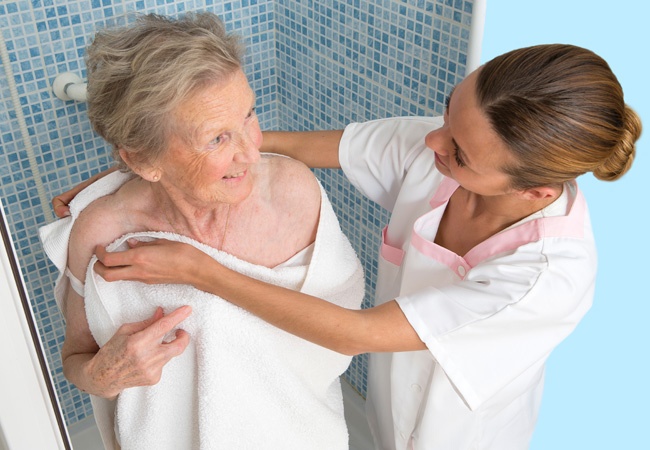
pixel 156 262
pixel 137 353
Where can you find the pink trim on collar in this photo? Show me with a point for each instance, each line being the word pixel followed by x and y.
pixel 569 225
pixel 447 187
pixel 433 251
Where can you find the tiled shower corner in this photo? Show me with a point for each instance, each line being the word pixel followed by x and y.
pixel 312 64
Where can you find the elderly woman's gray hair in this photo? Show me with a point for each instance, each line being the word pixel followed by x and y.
pixel 140 73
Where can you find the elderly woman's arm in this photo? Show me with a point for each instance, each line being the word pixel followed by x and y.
pixel 134 356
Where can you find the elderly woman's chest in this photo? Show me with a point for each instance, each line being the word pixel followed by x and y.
pixel 267 236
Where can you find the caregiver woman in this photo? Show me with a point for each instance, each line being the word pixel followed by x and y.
pixel 488 261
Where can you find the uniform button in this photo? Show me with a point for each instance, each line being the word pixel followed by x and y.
pixel 461 271
pixel 416 388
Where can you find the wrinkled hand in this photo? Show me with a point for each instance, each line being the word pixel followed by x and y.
pixel 136 354
pixel 156 262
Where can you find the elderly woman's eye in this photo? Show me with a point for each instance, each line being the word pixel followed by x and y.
pixel 251 113
pixel 216 141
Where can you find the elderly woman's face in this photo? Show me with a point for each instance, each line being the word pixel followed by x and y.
pixel 220 140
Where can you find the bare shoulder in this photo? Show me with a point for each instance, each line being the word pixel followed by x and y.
pixel 293 196
pixel 100 223
pixel 292 181
pixel 98 219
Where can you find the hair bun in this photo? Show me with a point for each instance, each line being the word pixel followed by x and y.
pixel 620 159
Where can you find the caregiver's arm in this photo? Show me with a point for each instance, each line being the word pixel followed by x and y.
pixel 317 149
pixel 380 329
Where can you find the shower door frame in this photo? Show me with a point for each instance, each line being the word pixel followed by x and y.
pixel 30 416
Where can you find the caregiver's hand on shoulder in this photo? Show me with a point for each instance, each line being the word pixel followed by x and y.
pixel 60 202
pixel 156 262
pixel 137 353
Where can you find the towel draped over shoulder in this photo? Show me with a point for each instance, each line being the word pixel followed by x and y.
pixel 241 383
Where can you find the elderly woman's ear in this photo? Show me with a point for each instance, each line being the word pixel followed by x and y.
pixel 145 171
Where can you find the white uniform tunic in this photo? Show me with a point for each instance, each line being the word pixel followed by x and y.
pixel 489 318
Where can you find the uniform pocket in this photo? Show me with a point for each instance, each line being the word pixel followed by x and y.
pixel 388 271
pixel 393 255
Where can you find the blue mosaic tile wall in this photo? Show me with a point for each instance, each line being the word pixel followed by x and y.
pixel 47 37
pixel 312 64
pixel 351 61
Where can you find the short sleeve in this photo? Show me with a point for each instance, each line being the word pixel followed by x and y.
pixel 504 318
pixel 376 156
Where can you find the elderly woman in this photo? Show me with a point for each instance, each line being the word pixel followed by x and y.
pixel 171 98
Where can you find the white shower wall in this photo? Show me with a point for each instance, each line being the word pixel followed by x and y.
pixel 312 64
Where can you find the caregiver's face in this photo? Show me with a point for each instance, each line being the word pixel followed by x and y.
pixel 467 149
pixel 224 141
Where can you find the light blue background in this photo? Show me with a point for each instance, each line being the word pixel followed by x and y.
pixel 597 392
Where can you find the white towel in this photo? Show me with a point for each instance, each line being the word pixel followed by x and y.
pixel 241 383
pixel 55 236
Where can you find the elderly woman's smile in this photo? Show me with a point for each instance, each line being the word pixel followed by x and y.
pixel 237 175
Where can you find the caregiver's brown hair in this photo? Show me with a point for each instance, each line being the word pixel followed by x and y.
pixel 560 110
